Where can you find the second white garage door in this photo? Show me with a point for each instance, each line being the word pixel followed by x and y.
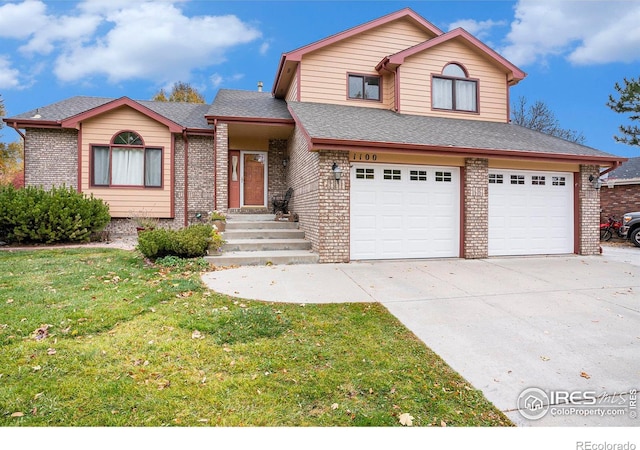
pixel 530 213
pixel 402 211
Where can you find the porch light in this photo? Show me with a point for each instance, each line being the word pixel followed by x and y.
pixel 337 171
pixel 285 161
pixel 595 182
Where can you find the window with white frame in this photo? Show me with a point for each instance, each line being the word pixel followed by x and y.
pixel 126 162
pixel 453 90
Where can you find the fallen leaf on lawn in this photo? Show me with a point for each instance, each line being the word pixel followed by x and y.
pixel 334 406
pixel 196 335
pixel 585 375
pixel 203 420
pixel 36 368
pixel 226 349
pixel 10 300
pixel 17 414
pixel 51 351
pixel 443 423
pixel 406 419
pixel 41 333
pixel 38 395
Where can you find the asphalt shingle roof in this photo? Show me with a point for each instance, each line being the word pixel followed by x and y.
pixel 628 170
pixel 248 104
pixel 190 115
pixel 324 121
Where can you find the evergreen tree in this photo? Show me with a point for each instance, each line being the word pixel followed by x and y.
pixel 627 103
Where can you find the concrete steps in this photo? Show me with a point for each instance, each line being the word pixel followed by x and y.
pixel 258 239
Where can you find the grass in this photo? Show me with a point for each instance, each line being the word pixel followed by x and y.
pixel 98 337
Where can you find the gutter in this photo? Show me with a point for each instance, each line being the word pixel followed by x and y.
pixel 14 125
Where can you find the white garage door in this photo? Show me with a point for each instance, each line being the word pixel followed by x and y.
pixel 400 211
pixel 530 213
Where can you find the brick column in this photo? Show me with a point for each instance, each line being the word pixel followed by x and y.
pixel 222 173
pixel 476 208
pixel 588 211
pixel 333 206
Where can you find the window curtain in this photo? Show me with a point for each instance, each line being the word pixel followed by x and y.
pixel 153 167
pixel 355 87
pixel 127 167
pixel 101 166
pixel 466 95
pixel 442 93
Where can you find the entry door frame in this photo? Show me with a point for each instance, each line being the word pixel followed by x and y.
pixel 266 173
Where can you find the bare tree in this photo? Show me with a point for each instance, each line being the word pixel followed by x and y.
pixel 540 118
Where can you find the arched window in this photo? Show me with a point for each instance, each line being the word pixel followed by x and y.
pixel 126 162
pixel 453 90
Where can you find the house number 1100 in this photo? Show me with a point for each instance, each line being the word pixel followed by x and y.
pixel 364 157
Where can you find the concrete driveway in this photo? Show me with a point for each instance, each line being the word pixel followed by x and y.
pixel 546 326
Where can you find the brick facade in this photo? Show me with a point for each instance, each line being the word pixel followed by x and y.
pixel 221 152
pixel 303 177
pixel 277 172
pixel 333 208
pixel 588 238
pixel 476 208
pixel 51 158
pixel 619 199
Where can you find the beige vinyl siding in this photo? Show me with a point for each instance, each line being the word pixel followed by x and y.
pixel 323 73
pixel 126 202
pixel 292 93
pixel 415 82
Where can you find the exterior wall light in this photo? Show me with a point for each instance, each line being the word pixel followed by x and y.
pixel 337 171
pixel 285 161
pixel 595 182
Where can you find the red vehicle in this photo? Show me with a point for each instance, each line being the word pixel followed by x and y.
pixel 607 229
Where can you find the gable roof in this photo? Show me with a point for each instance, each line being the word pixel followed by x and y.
pixel 628 171
pixel 248 106
pixel 352 128
pixel 291 59
pixel 397 59
pixel 69 112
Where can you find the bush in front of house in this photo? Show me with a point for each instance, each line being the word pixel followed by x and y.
pixel 61 214
pixel 189 242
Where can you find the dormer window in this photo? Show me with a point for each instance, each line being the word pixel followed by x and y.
pixel 364 87
pixel 453 90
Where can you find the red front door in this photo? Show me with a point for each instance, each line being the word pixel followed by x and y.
pixel 253 185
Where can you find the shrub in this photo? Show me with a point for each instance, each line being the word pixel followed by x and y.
pixel 190 242
pixel 60 214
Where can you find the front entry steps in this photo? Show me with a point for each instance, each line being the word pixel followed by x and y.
pixel 259 239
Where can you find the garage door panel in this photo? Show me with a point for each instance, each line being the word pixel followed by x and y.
pixel 531 217
pixel 409 215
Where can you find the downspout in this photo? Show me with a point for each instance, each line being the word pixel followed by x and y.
pixel 15 127
pixel 215 163
pixel 615 166
pixel 185 140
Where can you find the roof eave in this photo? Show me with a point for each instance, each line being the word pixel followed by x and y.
pixel 391 147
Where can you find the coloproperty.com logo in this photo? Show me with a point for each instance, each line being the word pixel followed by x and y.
pixel 535 403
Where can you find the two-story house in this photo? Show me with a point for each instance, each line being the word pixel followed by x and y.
pixel 394 136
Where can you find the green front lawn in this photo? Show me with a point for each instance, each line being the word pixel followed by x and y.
pixel 98 337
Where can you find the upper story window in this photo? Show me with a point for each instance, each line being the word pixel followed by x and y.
pixel 126 162
pixel 453 90
pixel 364 87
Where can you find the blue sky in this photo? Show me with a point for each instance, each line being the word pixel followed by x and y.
pixel 572 51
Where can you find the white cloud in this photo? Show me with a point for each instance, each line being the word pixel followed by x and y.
pixel 64 30
pixel 20 20
pixel 216 80
pixel 153 40
pixel 9 77
pixel 479 29
pixel 585 32
pixel 264 48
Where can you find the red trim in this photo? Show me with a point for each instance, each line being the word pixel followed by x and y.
pixel 72 122
pixel 250 120
pixel 398 59
pixel 577 213
pixel 172 198
pixel 296 55
pixel 27 123
pixel 299 77
pixel 80 158
pixel 392 147
pixel 463 179
pixel 215 163
pixel 396 93
pixel 186 178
